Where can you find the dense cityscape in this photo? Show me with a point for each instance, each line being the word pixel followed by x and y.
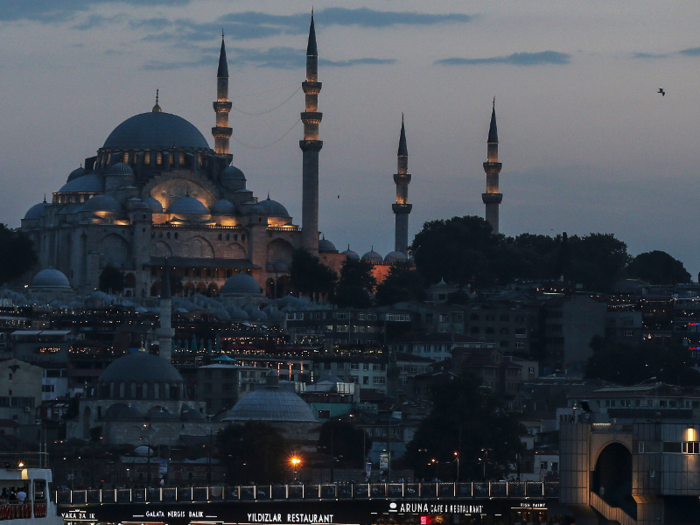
pixel 176 350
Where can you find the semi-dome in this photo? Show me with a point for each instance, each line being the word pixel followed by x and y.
pixel 372 257
pixel 156 130
pixel 188 206
pixel 92 182
pixel 223 207
pixel 273 208
pixel 395 256
pixel 120 170
pixel 37 211
pixel 326 246
pixel 272 404
pixel 102 202
pixel 50 278
pixel 232 173
pixel 139 367
pixel 351 254
pixel 77 172
pixel 241 283
pixel 154 204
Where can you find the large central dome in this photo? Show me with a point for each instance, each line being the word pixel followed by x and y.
pixel 156 130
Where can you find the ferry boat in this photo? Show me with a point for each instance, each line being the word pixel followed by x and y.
pixel 28 473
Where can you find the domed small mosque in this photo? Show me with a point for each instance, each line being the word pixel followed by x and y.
pixel 139 394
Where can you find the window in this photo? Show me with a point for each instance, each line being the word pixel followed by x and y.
pixel 341 315
pixel 543 465
pixel 505 318
pixel 365 366
pixel 672 446
pixel 691 447
pixel 629 333
pixel 354 366
pixel 365 380
pixel 379 380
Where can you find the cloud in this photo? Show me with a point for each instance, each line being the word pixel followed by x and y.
pixel 692 52
pixel 356 62
pixel 516 59
pixel 648 55
pixel 51 11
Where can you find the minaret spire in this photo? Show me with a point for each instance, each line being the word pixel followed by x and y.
pixel 156 108
pixel 310 146
pixel 402 209
pixel 492 198
pixel 222 133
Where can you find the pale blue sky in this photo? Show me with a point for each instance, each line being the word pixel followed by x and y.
pixel 586 143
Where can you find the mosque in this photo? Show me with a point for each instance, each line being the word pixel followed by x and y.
pixel 156 191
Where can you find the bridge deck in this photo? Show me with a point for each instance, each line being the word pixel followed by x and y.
pixel 310 492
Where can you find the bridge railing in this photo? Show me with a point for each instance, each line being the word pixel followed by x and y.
pixel 324 491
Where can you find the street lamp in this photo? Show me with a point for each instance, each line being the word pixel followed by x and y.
pixel 295 463
pixel 456 454
pixel 437 468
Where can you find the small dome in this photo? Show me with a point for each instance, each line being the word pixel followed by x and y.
pixel 141 366
pixel 92 183
pixel 241 283
pixel 76 173
pixel 37 211
pixel 351 254
pixel 326 246
pixel 240 315
pixel 232 173
pixel 253 208
pixel 188 206
pixel 258 315
pixel 187 412
pixel 272 404
pixel 50 278
pixel 372 257
pixel 137 204
pixel 392 257
pixel 154 204
pixel 221 313
pixel 102 202
pixel 223 207
pixel 122 411
pixel 273 208
pixel 120 170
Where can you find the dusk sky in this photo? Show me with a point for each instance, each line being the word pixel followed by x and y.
pixel 587 144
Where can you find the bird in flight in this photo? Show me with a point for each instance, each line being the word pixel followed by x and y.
pixel 661 90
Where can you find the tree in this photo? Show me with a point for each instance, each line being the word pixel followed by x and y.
pixel 403 283
pixel 310 276
pixel 470 420
pixel 597 260
pixel 343 440
pixel 111 280
pixel 657 267
pixel 254 451
pixel 18 254
pixel 629 364
pixel 355 285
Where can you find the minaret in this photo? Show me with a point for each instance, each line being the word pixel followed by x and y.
pixel 401 209
pixel 222 106
pixel 492 198
pixel 310 146
pixel 165 332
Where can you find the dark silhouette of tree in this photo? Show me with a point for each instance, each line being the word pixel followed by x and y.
pixel 657 267
pixel 253 452
pixel 459 250
pixel 598 260
pixel 468 419
pixel 310 276
pixel 630 364
pixel 403 283
pixel 111 280
pixel 344 441
pixel 355 285
pixel 18 254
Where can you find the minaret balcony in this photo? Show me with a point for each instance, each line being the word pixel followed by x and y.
pixel 311 117
pixel 402 208
pixel 223 107
pixel 311 88
pixel 221 133
pixel 311 145
pixel 491 198
pixel 492 167
pixel 402 178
